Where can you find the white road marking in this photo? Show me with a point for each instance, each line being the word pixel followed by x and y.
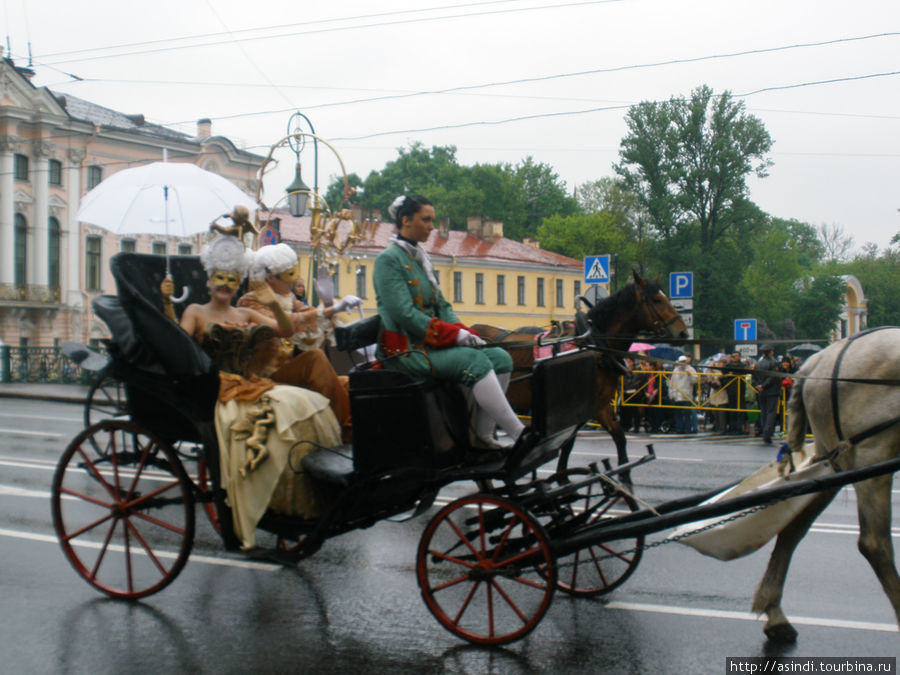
pixel 746 616
pixel 209 560
pixel 20 432
pixel 43 418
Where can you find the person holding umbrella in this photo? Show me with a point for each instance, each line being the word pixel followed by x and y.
pixel 768 384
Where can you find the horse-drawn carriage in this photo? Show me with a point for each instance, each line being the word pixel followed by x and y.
pixel 487 564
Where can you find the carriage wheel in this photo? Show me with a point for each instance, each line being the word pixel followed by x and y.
pixel 599 568
pixel 123 510
pixel 106 399
pixel 486 570
pixel 203 482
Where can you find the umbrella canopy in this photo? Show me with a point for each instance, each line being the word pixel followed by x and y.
pixel 667 352
pixel 804 349
pixel 640 347
pixel 169 198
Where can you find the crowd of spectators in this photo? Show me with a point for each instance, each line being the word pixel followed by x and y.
pixel 663 397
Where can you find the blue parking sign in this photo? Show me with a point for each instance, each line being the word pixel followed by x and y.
pixel 681 285
pixel 745 329
pixel 596 269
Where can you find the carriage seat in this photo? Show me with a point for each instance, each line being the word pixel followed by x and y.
pixel 330 465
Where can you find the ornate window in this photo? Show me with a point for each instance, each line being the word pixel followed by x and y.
pixel 128 246
pixel 184 249
pixel 92 263
pixel 520 290
pixel 457 287
pixel 21 167
pixel 54 171
pixel 576 288
pixel 540 292
pixel 20 243
pixel 479 288
pixel 53 252
pixel 559 293
pixel 501 289
pixel 94 176
pixel 158 248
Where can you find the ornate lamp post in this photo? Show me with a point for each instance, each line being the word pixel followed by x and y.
pixel 327 244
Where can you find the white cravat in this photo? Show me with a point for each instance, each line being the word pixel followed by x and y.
pixel 418 252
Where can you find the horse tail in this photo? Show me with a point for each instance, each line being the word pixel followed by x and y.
pixel 798 421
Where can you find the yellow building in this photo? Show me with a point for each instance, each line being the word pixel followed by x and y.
pixel 53 149
pixel 486 277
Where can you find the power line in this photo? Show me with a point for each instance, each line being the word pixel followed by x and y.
pixel 275 27
pixel 380 24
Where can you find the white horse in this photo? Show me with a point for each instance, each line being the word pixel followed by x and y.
pixel 861 416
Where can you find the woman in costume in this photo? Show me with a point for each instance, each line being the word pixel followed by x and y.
pixel 263 428
pixel 420 333
pixel 300 360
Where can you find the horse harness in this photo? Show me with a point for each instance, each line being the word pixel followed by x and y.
pixel 835 411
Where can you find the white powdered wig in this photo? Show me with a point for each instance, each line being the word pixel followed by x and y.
pixel 272 259
pixel 226 253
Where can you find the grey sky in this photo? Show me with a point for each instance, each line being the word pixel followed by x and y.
pixel 345 64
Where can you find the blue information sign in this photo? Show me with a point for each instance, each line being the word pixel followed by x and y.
pixel 745 329
pixel 681 285
pixel 596 269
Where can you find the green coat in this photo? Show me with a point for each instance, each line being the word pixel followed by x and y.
pixel 419 327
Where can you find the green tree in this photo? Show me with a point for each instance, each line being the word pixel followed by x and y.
pixel 688 160
pixel 578 236
pixel 541 194
pixel 816 305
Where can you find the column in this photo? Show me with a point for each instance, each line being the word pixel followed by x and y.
pixel 8 146
pixel 38 239
pixel 70 237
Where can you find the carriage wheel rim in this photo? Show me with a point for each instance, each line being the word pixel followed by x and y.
pixel 492 576
pixel 120 515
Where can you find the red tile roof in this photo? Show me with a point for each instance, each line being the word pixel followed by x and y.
pixel 455 245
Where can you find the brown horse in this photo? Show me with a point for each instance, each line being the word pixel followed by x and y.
pixel 848 396
pixel 613 323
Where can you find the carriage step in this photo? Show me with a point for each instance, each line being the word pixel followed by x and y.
pixel 331 465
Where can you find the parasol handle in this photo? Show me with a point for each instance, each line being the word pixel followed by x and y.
pixel 185 293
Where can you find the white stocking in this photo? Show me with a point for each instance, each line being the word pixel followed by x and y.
pixel 493 408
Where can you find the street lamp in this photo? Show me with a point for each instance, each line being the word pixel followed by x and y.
pixel 298 192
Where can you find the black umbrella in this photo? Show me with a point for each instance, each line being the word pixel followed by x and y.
pixel 804 349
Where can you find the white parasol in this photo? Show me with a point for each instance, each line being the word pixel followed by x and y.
pixel 166 198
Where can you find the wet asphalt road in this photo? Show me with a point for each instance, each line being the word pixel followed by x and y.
pixel 355 606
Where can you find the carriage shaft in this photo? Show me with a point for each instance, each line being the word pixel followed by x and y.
pixel 613 529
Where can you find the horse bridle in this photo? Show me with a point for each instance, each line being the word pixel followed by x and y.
pixel 654 318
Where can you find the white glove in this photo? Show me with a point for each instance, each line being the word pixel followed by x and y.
pixel 347 302
pixel 466 339
pixel 325 286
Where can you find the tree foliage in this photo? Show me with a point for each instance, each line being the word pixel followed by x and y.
pixel 688 160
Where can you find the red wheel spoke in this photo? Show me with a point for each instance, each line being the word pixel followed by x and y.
pixel 503 539
pixel 466 602
pixel 139 469
pixel 512 605
pixel 137 535
pixel 464 539
pixel 450 558
pixel 598 567
pixel 490 604
pixel 84 497
pixel 103 549
pixel 89 464
pixel 128 567
pixel 616 553
pixel 90 526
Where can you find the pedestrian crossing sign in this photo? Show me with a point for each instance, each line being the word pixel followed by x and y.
pixel 596 269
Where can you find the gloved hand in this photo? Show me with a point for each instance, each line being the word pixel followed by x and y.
pixel 167 288
pixel 325 286
pixel 347 302
pixel 466 339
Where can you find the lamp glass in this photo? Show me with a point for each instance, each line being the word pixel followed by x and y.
pixel 298 195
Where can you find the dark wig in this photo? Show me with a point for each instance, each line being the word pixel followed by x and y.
pixel 411 205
